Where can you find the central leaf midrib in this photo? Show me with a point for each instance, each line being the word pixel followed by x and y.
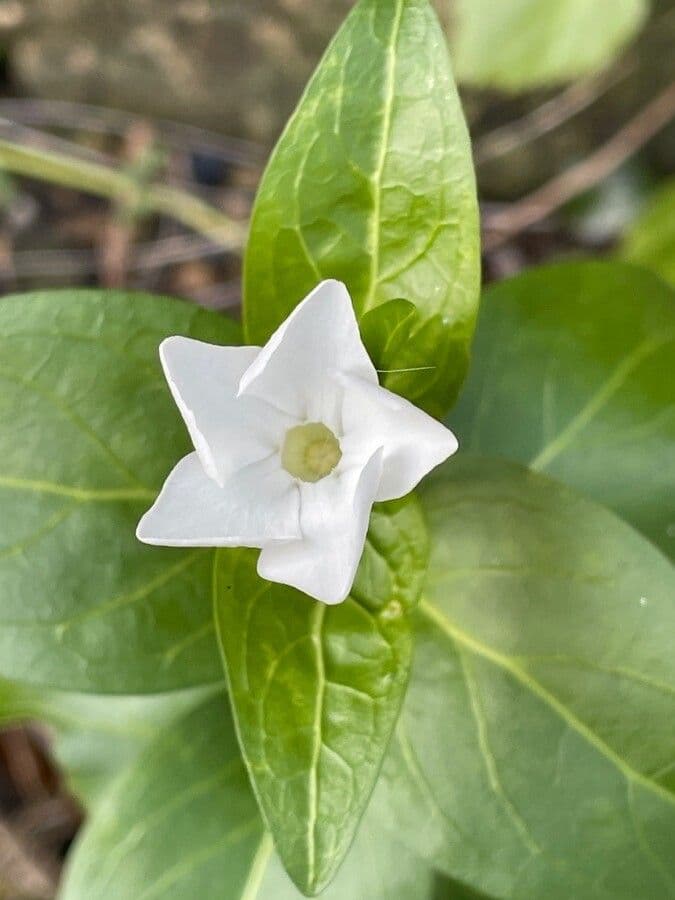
pixel 433 614
pixel 313 814
pixel 388 98
pixel 81 494
pixel 596 403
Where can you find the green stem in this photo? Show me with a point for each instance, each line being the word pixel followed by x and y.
pixel 93 178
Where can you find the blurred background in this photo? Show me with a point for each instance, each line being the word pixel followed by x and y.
pixel 133 134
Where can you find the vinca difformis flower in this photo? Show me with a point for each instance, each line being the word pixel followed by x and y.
pixel 294 443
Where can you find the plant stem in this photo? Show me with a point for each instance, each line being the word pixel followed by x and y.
pixel 102 181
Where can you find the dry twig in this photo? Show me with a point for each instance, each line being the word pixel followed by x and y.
pixel 549 116
pixel 20 870
pixel 540 204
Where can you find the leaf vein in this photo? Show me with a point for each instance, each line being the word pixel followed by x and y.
pixel 510 666
pixel 599 400
pixel 647 850
pixel 28 540
pixel 83 426
pixel 389 96
pixel 83 495
pixel 488 757
pixel 313 814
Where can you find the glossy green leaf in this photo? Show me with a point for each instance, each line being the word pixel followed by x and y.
pixel 372 183
pixel 574 374
pixel 378 867
pixel 406 352
pixel 94 737
pixel 538 732
pixel 523 44
pixel 88 432
pixel 651 240
pixel 316 689
pixel 183 823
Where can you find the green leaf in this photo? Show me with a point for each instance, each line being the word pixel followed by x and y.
pixel 94 737
pixel 407 352
pixel 540 719
pixel 574 374
pixel 378 867
pixel 88 432
pixel 651 240
pixel 524 44
pixel 316 690
pixel 372 183
pixel 183 823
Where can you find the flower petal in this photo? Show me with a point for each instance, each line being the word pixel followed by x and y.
pixel 334 516
pixel 295 369
pixel 259 503
pixel 227 432
pixel 413 443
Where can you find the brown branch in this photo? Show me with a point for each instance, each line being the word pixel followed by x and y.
pixel 148 256
pixel 580 178
pixel 19 869
pixel 98 119
pixel 549 116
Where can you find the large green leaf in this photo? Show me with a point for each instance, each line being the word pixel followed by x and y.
pixel 574 374
pixel 316 690
pixel 522 44
pixel 378 867
pixel 651 240
pixel 372 183
pixel 94 737
pixel 88 432
pixel 534 749
pixel 183 823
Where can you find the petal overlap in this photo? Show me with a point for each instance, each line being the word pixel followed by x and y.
pixel 413 442
pixel 227 432
pixel 297 368
pixel 241 403
pixel 334 516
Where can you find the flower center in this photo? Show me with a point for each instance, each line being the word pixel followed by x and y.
pixel 310 451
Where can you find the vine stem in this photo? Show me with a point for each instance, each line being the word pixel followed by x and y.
pixel 103 181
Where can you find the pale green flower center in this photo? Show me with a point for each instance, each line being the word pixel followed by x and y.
pixel 310 451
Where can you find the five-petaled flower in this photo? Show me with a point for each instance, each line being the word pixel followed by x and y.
pixel 294 443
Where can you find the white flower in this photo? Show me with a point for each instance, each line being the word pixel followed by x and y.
pixel 294 443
